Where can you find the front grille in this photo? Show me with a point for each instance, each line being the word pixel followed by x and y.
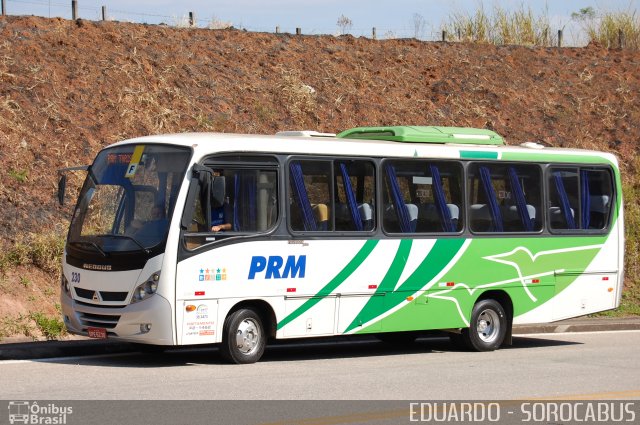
pixel 84 293
pixel 113 296
pixel 100 305
pixel 105 295
pixel 106 321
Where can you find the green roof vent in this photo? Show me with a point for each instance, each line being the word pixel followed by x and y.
pixel 423 134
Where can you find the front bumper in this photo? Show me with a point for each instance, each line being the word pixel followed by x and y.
pixel 122 323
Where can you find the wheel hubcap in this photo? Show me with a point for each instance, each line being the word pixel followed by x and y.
pixel 247 336
pixel 488 326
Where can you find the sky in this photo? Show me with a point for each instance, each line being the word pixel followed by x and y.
pixel 392 18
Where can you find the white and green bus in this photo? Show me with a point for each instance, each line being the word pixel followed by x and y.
pixel 237 239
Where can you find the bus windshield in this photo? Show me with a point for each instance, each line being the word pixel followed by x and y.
pixel 128 197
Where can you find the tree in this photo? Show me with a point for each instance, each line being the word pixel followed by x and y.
pixel 584 14
pixel 418 25
pixel 344 24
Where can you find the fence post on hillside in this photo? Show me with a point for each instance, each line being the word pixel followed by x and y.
pixel 192 19
pixel 444 35
pixel 74 9
pixel 621 38
pixel 373 33
pixel 298 31
pixel 104 13
pixel 559 38
pixel 4 7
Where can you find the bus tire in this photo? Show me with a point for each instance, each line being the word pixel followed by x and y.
pixel 243 338
pixel 488 326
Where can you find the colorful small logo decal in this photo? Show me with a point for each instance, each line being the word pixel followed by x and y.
pixel 203 312
pixel 213 273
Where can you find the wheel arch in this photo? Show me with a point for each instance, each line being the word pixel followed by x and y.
pixel 264 310
pixel 507 304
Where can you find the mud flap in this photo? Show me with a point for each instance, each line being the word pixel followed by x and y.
pixel 508 338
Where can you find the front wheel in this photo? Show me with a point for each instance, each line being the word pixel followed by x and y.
pixel 243 339
pixel 488 326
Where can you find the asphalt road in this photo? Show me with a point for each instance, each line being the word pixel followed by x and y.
pixel 599 365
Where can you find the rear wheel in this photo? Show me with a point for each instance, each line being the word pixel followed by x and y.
pixel 488 326
pixel 243 339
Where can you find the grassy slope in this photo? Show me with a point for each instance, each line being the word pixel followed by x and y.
pixel 68 89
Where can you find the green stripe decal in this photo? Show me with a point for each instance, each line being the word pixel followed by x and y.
pixel 478 155
pixel 438 258
pixel 507 265
pixel 388 284
pixel 443 251
pixel 347 271
pixel 555 158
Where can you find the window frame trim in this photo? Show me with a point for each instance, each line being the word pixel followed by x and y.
pixel 543 194
pixel 231 160
pixel 463 211
pixel 579 167
pixel 332 178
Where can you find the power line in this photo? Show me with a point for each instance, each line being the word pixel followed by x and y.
pixel 187 19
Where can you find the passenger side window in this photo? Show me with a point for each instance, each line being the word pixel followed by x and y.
pixel 354 193
pixel 328 195
pixel 250 201
pixel 598 200
pixel 505 197
pixel 422 196
pixel 235 201
pixel 310 201
pixel 563 199
pixel 579 198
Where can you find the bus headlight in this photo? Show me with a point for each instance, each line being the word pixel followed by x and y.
pixel 64 283
pixel 146 289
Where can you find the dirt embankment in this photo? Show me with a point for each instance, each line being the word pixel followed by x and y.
pixel 69 88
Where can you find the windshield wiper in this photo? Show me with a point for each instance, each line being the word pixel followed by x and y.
pixel 134 240
pixel 94 245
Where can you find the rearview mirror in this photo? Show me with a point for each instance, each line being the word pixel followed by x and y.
pixel 62 186
pixel 62 183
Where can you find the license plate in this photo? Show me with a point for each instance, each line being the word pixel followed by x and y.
pixel 99 333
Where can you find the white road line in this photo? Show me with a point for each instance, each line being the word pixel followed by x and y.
pixel 578 333
pixel 70 358
pixel 4 362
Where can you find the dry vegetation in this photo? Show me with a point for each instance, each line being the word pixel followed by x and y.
pixel 522 26
pixel 67 89
pixel 610 29
pixel 501 26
